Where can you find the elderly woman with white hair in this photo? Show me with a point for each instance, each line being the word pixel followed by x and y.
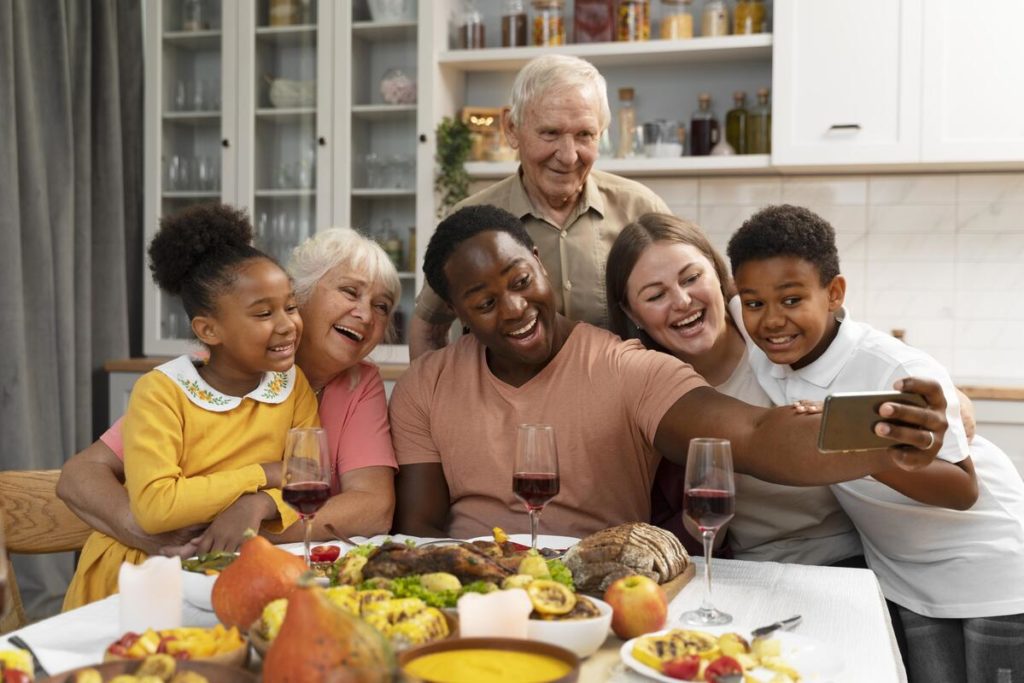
pixel 346 288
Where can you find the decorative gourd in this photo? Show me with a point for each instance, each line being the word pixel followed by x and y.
pixel 260 574
pixel 319 641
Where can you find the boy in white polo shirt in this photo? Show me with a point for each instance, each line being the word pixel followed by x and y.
pixel 946 542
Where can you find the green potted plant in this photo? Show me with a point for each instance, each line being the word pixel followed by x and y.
pixel 451 181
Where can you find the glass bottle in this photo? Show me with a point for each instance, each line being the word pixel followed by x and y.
pixel 471 27
pixel 192 15
pixel 703 127
pixel 593 21
pixel 548 23
pixel 759 125
pixel 715 19
pixel 627 124
pixel 676 20
pixel 748 17
pixel 736 123
pixel 513 24
pixel 633 20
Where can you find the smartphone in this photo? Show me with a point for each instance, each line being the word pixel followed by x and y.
pixel 848 420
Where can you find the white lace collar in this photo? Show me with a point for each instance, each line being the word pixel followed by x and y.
pixel 275 387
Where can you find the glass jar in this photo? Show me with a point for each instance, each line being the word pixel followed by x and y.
pixel 703 127
pixel 676 20
pixel 736 123
pixel 593 21
pixel 748 17
pixel 471 27
pixel 759 125
pixel 628 142
pixel 633 20
pixel 192 18
pixel 548 23
pixel 513 24
pixel 715 19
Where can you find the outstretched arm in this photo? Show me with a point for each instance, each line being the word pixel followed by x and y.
pixel 421 507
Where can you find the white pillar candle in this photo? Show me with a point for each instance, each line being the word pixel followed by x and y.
pixel 150 594
pixel 502 614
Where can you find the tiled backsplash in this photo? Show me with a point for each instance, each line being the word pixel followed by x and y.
pixel 940 256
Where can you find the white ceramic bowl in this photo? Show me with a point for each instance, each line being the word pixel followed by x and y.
pixel 582 636
pixel 197 588
pixel 392 10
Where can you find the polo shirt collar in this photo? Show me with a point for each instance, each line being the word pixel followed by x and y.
pixel 823 372
pixel 519 203
pixel 274 387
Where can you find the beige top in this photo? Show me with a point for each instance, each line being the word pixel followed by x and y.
pixel 605 398
pixel 574 256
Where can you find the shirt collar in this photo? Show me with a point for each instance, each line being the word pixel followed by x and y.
pixel 823 372
pixel 520 205
pixel 275 387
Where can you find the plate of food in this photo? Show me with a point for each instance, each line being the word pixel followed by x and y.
pixel 199 575
pixel 676 654
pixel 155 665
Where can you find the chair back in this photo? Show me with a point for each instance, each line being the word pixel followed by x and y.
pixel 35 521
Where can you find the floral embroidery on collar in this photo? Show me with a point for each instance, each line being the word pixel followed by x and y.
pixel 274 387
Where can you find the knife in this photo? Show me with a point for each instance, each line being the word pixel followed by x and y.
pixel 785 624
pixel 39 671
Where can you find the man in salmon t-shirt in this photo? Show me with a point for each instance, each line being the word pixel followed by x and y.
pixel 616 407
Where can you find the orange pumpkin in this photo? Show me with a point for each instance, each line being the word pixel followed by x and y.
pixel 260 574
pixel 319 641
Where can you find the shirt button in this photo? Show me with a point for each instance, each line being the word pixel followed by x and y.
pixel 568 285
pixel 563 234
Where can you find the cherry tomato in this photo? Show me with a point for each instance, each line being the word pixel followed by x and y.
pixel 16 676
pixel 720 667
pixel 118 650
pixel 684 668
pixel 129 639
pixel 324 553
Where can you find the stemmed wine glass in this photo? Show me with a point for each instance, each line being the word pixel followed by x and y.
pixel 307 475
pixel 535 474
pixel 709 500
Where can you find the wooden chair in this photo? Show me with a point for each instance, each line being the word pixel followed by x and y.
pixel 35 521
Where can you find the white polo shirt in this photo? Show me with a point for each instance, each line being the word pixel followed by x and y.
pixel 934 561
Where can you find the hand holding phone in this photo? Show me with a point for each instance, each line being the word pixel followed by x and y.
pixel 848 420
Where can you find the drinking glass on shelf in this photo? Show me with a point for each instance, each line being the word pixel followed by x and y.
pixel 709 500
pixel 535 472
pixel 307 475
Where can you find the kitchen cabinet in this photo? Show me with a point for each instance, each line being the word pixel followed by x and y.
pixel 847 82
pixel 277 107
pixel 971 103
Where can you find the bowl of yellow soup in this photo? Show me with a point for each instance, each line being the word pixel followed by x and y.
pixel 489 660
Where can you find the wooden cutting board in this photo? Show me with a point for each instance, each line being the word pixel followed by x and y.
pixel 673 586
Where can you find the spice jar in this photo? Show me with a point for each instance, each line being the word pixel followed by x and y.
pixel 676 20
pixel 715 19
pixel 748 17
pixel 548 23
pixel 633 20
pixel 628 142
pixel 593 21
pixel 471 28
pixel 513 24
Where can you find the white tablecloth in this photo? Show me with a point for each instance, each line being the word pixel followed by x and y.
pixel 840 607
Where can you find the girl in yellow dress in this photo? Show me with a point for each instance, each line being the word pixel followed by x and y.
pixel 203 445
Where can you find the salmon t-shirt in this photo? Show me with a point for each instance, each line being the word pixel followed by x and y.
pixel 605 398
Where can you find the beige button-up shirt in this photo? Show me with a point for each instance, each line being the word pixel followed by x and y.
pixel 574 255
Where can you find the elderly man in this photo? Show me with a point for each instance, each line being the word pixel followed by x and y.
pixel 573 213
pixel 617 408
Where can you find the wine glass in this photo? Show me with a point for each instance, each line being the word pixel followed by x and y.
pixel 535 474
pixel 709 500
pixel 307 475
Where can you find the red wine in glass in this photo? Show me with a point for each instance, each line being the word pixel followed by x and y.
pixel 535 490
pixel 709 508
pixel 306 497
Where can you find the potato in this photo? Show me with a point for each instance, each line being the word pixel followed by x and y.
pixel 534 565
pixel 440 581
pixel 767 647
pixel 733 644
pixel 517 581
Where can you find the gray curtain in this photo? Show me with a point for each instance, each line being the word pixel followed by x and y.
pixel 70 225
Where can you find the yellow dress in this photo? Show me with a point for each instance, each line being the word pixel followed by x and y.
pixel 190 452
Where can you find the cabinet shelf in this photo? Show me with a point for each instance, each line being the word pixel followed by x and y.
pixel 694 50
pixel 286 36
pixel 383 112
pixel 382 192
pixel 384 30
pixel 193 40
pixel 204 116
pixel 644 167
pixel 285 114
pixel 286 192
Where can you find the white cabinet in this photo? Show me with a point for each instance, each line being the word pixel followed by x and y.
pixel 972 98
pixel 847 82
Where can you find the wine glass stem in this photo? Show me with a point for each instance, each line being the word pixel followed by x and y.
pixel 534 519
pixel 708 536
pixel 307 529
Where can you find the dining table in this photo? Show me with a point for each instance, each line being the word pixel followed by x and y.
pixel 843 614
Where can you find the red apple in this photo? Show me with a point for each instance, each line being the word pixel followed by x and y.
pixel 639 606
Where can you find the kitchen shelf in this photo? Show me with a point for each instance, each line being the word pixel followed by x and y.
pixel 644 167
pixel 193 40
pixel 201 116
pixel 286 36
pixel 285 114
pixel 384 30
pixel 691 51
pixel 286 192
pixel 383 112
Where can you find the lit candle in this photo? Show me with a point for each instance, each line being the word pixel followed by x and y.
pixel 150 594
pixel 502 614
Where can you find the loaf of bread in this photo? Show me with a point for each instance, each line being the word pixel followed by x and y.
pixel 608 555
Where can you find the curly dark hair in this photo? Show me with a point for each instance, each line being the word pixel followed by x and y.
pixel 459 227
pixel 786 230
pixel 196 253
